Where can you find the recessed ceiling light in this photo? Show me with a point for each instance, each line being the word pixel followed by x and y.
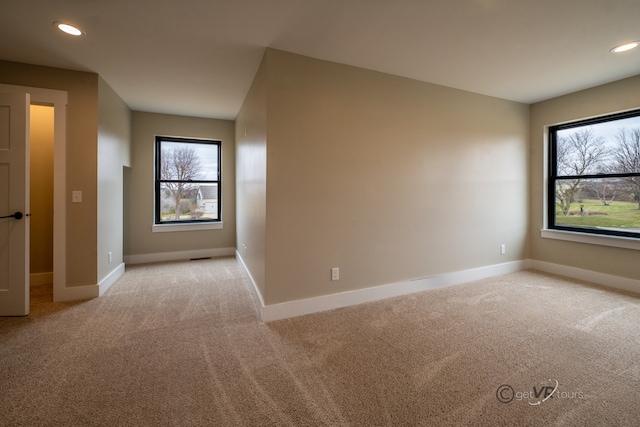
pixel 68 28
pixel 625 47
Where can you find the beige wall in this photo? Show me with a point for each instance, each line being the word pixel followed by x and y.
pixel 81 147
pixel 610 98
pixel 251 175
pixel 140 240
pixel 114 141
pixel 387 178
pixel 41 197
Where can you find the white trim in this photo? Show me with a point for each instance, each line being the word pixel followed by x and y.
pixel 288 309
pixel 255 291
pixel 177 256
pixel 59 196
pixel 624 283
pixel 74 293
pixel 163 228
pixel 58 99
pixel 39 279
pixel 593 239
pixel 111 278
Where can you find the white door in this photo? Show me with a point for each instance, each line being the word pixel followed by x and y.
pixel 14 204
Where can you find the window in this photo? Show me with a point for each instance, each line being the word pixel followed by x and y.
pixel 594 176
pixel 187 181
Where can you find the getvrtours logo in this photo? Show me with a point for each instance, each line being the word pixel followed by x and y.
pixel 538 394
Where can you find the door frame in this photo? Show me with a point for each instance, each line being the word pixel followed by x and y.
pixel 58 100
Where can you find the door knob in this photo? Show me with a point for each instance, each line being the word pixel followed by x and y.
pixel 17 215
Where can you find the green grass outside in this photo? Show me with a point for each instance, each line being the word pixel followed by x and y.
pixel 616 215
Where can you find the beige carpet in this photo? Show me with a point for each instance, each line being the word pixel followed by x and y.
pixel 180 344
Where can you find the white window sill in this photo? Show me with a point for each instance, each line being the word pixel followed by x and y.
pixel 164 228
pixel 593 239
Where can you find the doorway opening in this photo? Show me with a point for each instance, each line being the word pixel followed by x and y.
pixel 41 128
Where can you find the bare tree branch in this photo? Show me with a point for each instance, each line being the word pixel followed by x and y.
pixel 579 153
pixel 179 163
pixel 627 159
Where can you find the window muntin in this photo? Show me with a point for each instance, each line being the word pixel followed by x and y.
pixel 187 181
pixel 594 175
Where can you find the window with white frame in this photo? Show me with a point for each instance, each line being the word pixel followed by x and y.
pixel 594 176
pixel 187 181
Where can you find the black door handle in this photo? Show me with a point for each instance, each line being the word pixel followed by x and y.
pixel 17 215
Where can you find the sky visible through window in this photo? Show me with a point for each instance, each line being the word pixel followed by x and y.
pixel 208 154
pixel 606 130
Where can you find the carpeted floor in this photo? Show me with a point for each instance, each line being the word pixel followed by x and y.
pixel 180 344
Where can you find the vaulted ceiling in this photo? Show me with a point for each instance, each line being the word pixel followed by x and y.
pixel 199 57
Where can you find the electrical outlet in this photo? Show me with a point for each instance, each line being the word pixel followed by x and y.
pixel 503 249
pixel 335 273
pixel 109 257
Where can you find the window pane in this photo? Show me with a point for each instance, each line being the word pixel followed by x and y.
pixel 207 201
pixel 599 148
pixel 195 202
pixel 189 161
pixel 600 203
pixel 208 154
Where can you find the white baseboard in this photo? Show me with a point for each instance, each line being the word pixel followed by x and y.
pixel 288 309
pixel 608 280
pixel 37 279
pixel 344 299
pixel 255 291
pixel 73 293
pixel 178 256
pixel 110 279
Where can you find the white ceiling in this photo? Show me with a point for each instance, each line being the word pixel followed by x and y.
pixel 199 57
